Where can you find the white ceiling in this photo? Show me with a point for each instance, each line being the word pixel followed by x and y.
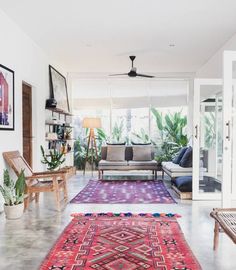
pixel 99 35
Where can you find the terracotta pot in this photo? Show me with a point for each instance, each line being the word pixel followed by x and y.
pixel 14 211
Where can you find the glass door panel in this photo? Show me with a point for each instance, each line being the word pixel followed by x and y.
pixel 229 128
pixel 210 129
pixel 214 162
pixel 207 163
pixel 219 137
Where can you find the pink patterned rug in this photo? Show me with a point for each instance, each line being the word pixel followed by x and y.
pixel 121 242
pixel 117 191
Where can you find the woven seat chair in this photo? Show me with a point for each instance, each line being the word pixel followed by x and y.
pixel 38 182
pixel 225 219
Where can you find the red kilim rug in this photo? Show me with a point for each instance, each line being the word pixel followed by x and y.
pixel 115 242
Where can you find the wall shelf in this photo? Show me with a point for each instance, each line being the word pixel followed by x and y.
pixel 59 140
pixel 56 110
pixel 59 121
pixel 57 124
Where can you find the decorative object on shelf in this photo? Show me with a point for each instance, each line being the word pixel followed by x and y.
pixel 6 98
pixel 53 160
pixel 13 194
pixel 63 148
pixel 51 103
pixel 51 136
pixel 61 131
pixel 68 148
pixel 58 89
pixel 91 123
pixel 67 134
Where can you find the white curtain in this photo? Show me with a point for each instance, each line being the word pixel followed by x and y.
pixel 131 93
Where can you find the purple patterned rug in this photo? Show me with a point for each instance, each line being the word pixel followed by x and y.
pixel 117 191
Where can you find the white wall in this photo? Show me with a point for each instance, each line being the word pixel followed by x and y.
pixel 21 54
pixel 213 67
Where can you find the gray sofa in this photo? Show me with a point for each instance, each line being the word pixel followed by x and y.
pixel 175 170
pixel 127 164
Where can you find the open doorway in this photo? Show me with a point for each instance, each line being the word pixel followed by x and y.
pixel 27 122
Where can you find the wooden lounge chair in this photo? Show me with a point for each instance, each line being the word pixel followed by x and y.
pixel 225 219
pixel 38 182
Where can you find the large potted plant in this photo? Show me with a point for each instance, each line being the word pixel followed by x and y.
pixel 53 160
pixel 13 194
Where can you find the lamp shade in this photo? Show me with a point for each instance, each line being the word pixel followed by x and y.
pixel 92 122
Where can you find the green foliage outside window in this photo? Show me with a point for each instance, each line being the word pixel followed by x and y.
pixel 172 136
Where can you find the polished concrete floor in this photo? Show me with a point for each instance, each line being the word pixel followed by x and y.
pixel 25 242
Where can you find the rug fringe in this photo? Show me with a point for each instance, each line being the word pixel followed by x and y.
pixel 111 214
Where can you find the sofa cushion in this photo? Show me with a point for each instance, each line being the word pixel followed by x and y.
pixel 172 167
pixel 142 153
pixel 186 160
pixel 184 183
pixel 142 163
pixel 117 143
pixel 134 143
pixel 112 163
pixel 115 153
pixel 179 155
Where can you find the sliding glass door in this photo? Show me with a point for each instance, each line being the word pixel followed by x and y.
pixel 214 162
pixel 207 141
pixel 229 128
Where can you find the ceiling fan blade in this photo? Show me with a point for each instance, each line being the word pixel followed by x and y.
pixel 146 76
pixel 121 74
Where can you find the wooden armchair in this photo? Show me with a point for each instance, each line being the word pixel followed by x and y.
pixel 225 221
pixel 38 182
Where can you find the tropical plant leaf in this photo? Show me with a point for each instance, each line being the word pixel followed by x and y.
pixel 20 187
pixel 158 118
pixel 5 195
pixel 7 181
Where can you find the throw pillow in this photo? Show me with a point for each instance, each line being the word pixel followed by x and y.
pixel 134 143
pixel 179 155
pixel 118 143
pixel 184 183
pixel 186 160
pixel 115 153
pixel 142 153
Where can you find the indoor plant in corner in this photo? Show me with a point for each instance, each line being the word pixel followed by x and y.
pixel 53 160
pixel 13 194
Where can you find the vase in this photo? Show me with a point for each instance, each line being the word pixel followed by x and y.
pixel 14 211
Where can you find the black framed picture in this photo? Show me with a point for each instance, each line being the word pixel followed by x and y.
pixel 58 88
pixel 7 121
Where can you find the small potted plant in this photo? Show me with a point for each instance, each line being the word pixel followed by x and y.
pixel 67 134
pixel 13 194
pixel 53 160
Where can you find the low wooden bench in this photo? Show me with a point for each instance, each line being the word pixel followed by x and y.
pixel 182 195
pixel 225 219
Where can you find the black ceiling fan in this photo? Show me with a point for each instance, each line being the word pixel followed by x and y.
pixel 133 71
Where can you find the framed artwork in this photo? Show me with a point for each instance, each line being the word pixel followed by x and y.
pixel 7 121
pixel 58 89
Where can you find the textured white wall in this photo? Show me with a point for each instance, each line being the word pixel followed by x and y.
pixel 213 67
pixel 21 54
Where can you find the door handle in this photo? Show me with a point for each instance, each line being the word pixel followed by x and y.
pixel 196 132
pixel 228 133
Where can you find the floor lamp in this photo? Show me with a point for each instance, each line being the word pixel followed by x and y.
pixel 91 123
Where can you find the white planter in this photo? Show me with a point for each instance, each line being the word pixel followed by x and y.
pixel 14 211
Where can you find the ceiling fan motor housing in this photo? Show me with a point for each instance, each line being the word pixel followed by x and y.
pixel 132 73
